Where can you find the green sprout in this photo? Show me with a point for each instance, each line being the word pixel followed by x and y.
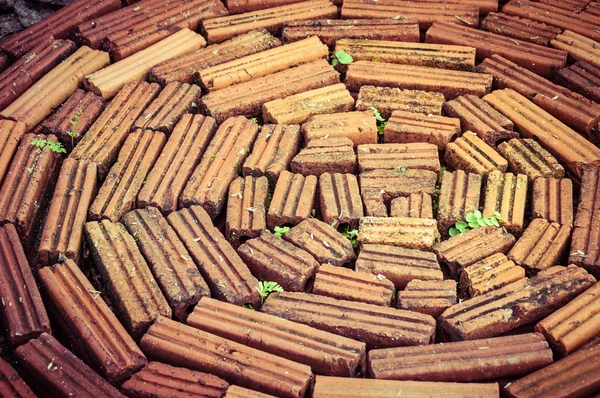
pixel 381 122
pixel 474 220
pixel 74 122
pixel 265 288
pixel 341 57
pixel 47 143
pixel 255 120
pixel 279 231
pixel 249 306
pixel 438 190
pixel 352 235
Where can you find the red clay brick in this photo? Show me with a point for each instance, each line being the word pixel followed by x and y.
pixel 411 233
pixel 582 78
pixel 422 156
pixel 519 28
pixel 339 197
pixel 10 136
pixel 579 47
pixel 407 127
pixel 417 205
pixel 246 212
pixel 428 297
pixel 11 383
pixel 325 155
pixel 526 156
pixel 293 199
pixel 472 154
pixel 240 392
pixel 489 274
pixel 359 127
pixel 506 194
pixel 553 200
pixel 387 100
pixel 460 193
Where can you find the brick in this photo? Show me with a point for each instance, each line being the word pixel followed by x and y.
pixel 339 197
pixel 108 81
pixel 359 127
pixel 526 156
pixel 129 283
pixel 10 136
pixel 506 194
pixel 519 303
pixel 428 297
pixel 579 47
pixel 451 83
pixel 103 140
pixel 55 87
pixel 411 233
pixel 62 236
pixel 293 199
pixel 228 278
pixel 575 6
pixel 324 352
pixel 298 108
pixel 407 127
pixel 23 314
pixel 479 117
pixel 582 78
pixel 172 103
pixel 346 284
pixel 416 205
pixel 463 361
pixel 161 380
pixel 241 6
pixel 387 100
pixel 176 163
pixel 322 241
pixel 246 212
pixel 422 156
pixel 519 28
pixel 271 19
pixel 322 155
pixel 168 259
pixel 92 329
pixel 225 358
pixel 247 98
pixel 273 151
pixel 460 194
pixel 240 392
pixel 469 247
pixel 270 258
pixel 11 383
pixel 331 30
pixel 472 154
pixel 553 200
pixel 118 193
pixel 489 274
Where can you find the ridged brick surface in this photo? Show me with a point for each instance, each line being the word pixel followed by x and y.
pixel 293 199
pixel 407 127
pixel 460 194
pixel 471 153
pixel 411 233
pixel 246 208
pixel 489 274
pixel 423 156
pixel 553 200
pixel 416 205
pixel 582 78
pixel 339 197
pixel 519 28
pixel 526 156
pixel 506 194
pixel 11 383
pixel 428 297
pixel 325 155
pixel 387 100
pixel 10 136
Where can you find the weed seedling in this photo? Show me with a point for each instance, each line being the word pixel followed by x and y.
pixel 255 120
pixel 74 122
pixel 438 190
pixel 352 235
pixel 474 220
pixel 249 306
pixel 47 143
pixel 340 57
pixel 279 231
pixel 265 288
pixel 381 122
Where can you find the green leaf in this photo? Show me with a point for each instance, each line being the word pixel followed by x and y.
pixel 470 217
pixel 249 306
pixel 477 214
pixel 498 215
pixel 473 224
pixel 279 231
pixel 488 220
pixel 461 224
pixel 453 232
pixel 334 62
pixel 481 222
pixel 495 222
pixel 344 57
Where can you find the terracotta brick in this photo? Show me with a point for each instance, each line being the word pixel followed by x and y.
pixel 221 163
pixel 176 163
pixel 469 247
pixel 224 358
pixel 62 236
pixel 331 30
pixel 575 6
pixel 172 103
pixel 398 264
pixel 460 193
pixel 407 127
pixel 10 136
pixel 184 68
pixel 526 156
pixel 339 197
pixel 359 127
pixel 519 28
pixel 428 297
pixel 463 361
pixel 553 200
pixel 448 82
pixel 479 117
pixel 241 6
pixel 293 199
pixel 246 212
pixel 489 274
pixel 48 366
pixel 92 329
pixel 28 185
pixel 11 383
pixel 574 375
pixel 161 380
pixel 271 19
pixel 270 258
pixel 324 352
pixel 108 81
pixel 322 241
pixel 223 270
pixel 375 325
pixel 346 284
pixel 411 233
pixel 506 194
pixel 579 47
pixel 247 98
pixel 273 151
pixel 582 78
pixel 417 205
pixel 519 303
pixel 76 115
pixel 103 140
pixel 398 157
pixel 168 259
pixel 471 153
pixel 240 392
pixel 23 314
pixel 298 108
pixel 129 283
pixel 322 155
pixel 387 100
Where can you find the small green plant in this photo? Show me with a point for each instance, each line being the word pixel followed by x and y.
pixel 474 220
pixel 249 306
pixel 265 288
pixel 341 57
pixel 438 190
pixel 255 120
pixel 352 235
pixel 279 231
pixel 47 143
pixel 74 122
pixel 381 122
